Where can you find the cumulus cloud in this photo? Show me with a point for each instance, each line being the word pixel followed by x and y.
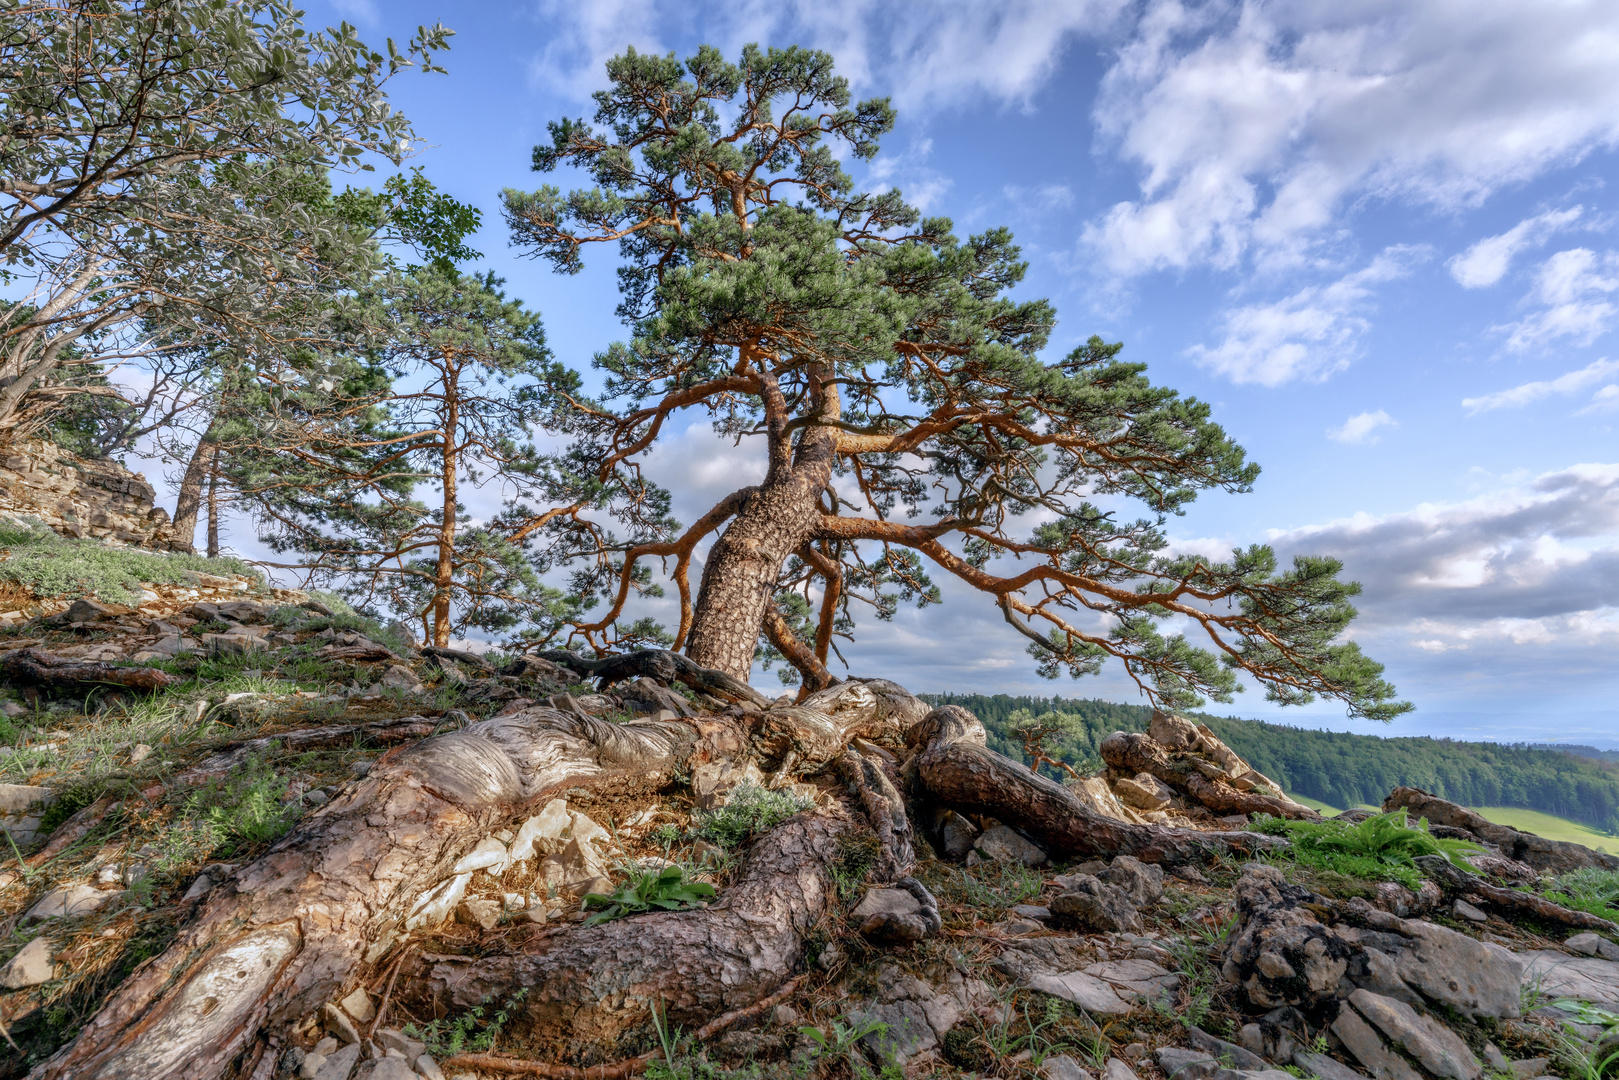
pixel 1537 561
pixel 1308 335
pixel 1574 293
pixel 1255 125
pixel 1361 427
pixel 926 55
pixel 1486 262
pixel 1565 385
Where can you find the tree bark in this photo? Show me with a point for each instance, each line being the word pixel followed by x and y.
pixel 213 509
pixel 189 502
pixel 739 577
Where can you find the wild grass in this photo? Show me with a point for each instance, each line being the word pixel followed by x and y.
pixel 53 565
pixel 1588 889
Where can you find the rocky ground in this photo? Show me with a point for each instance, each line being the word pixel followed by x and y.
pixel 150 752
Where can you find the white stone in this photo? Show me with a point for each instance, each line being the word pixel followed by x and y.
pixel 1004 844
pixel 358 1005
pixel 1467 911
pixel 337 1022
pixel 1087 991
pixel 435 904
pixel 428 1068
pixel 880 901
pixel 1590 944
pixel 340 1064
pixel 68 901
pixel 544 831
pixel 1117 1070
pixel 490 854
pixel 30 967
pixel 1063 1067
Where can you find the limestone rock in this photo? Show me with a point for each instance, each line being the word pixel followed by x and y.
pixel 489 854
pixel 1438 1049
pixel 1144 792
pixel 394 1039
pixel 68 901
pixel 21 806
pixel 1005 844
pixel 1282 955
pixel 1367 1047
pixel 1136 980
pixel 1467 911
pixel 542 833
pixel 1179 1063
pixel 1117 1070
pixel 956 835
pixel 400 677
pixel 1142 882
pixel 893 901
pixel 386 1068
pixel 340 1064
pixel 1063 1067
pixel 1094 906
pixel 1322 1066
pixel 435 905
pixel 1591 944
pixel 1557 975
pixel 29 967
pixel 1093 792
pixel 335 1021
pixel 428 1068
pixel 478 912
pixel 358 1005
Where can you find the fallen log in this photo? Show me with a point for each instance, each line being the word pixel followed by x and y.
pixel 36 667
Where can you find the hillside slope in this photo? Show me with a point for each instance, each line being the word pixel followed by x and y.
pixel 1341 768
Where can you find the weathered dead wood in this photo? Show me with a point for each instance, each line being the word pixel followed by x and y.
pixel 460 656
pixel 956 770
pixel 72 831
pixel 1456 881
pixel 1134 752
pixel 36 667
pixel 659 664
pixel 368 651
pixel 885 810
pixel 1557 856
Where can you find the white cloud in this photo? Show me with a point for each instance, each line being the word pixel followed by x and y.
pixel 1362 427
pixel 928 54
pixel 361 11
pixel 1575 290
pixel 1255 125
pixel 1604 400
pixel 1308 335
pixel 1486 262
pixel 1527 393
pixel 908 170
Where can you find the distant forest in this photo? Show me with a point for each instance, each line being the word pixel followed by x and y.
pixel 1341 768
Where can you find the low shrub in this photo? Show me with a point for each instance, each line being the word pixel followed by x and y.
pixel 750 811
pixel 655 890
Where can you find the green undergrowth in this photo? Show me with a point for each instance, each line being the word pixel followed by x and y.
pixel 53 565
pixel 1588 889
pixel 751 810
pixel 474 1031
pixel 1381 848
pixel 664 889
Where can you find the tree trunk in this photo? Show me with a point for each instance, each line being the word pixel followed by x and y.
pixel 189 503
pixel 444 575
pixel 213 510
pixel 739 576
pixel 347 889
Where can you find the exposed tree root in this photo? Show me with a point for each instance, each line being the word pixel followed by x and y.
pixel 1137 753
pixel 660 664
pixel 955 769
pixel 1458 882
pixel 301 925
pixel 36 667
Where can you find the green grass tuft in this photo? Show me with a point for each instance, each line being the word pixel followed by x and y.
pixel 53 565
pixel 751 811
pixel 1381 848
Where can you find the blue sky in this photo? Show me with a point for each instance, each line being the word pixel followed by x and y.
pixel 1379 237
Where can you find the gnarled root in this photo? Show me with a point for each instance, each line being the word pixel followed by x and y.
pixel 294 929
pixel 956 769
pixel 587 988
pixel 1137 753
